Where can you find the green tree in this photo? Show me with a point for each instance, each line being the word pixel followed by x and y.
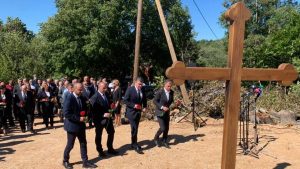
pixel 17 55
pixel 272 33
pixel 283 42
pixel 97 37
pixel 212 53
pixel 16 25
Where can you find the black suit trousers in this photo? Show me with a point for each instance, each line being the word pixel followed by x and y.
pixel 110 138
pixel 134 124
pixel 70 144
pixel 25 117
pixel 163 122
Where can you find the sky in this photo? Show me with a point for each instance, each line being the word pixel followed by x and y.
pixel 34 12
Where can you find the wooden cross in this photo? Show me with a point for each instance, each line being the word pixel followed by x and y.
pixel 238 14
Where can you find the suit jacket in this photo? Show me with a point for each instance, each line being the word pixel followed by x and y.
pixel 72 111
pixel 42 95
pixel 60 93
pixel 27 103
pixel 160 100
pixel 130 99
pixel 88 91
pixel 17 89
pixel 8 96
pixel 99 107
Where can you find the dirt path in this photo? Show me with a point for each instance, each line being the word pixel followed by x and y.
pixel 280 148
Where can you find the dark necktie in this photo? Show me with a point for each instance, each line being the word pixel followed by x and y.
pixel 104 98
pixel 24 96
pixel 79 103
pixel 139 95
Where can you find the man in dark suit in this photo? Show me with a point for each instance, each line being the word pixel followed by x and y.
pixel 74 108
pixel 16 90
pixel 25 103
pixel 136 102
pixel 162 100
pixel 100 104
pixel 88 92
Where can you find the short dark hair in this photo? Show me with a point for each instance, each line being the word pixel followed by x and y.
pixel 168 81
pixel 139 79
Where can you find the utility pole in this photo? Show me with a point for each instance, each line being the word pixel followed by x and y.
pixel 137 41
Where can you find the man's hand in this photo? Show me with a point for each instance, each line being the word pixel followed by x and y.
pixel 137 106
pixel 165 109
pixel 82 119
pixel 144 109
pixel 106 115
pixel 44 100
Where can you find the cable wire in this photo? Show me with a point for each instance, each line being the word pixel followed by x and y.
pixel 205 19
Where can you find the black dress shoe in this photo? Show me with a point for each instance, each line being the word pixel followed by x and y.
pixel 67 165
pixel 89 165
pixel 23 130
pixel 138 149
pixel 156 143
pixel 166 145
pixel 102 154
pixel 113 152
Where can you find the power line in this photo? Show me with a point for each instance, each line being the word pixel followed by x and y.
pixel 205 19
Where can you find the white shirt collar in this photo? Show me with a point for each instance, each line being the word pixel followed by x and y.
pixel 75 95
pixel 101 94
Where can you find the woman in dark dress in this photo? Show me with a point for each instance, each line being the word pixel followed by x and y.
pixel 46 98
pixel 117 97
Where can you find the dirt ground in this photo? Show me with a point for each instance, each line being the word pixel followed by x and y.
pixel 278 148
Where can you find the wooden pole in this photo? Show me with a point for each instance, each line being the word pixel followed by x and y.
pixel 171 47
pixel 237 16
pixel 137 41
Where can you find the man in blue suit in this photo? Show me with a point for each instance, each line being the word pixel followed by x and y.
pixel 74 108
pixel 100 103
pixel 136 102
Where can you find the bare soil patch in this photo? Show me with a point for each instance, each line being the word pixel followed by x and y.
pixel 279 148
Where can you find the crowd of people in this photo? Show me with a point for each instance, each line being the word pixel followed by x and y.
pixel 25 100
pixel 81 104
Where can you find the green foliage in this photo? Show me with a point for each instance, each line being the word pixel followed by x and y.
pixel 159 82
pixel 212 53
pixel 283 42
pixel 295 88
pixel 20 52
pixel 98 37
pixel 272 33
pixel 253 51
pixel 16 25
pixel 277 100
pixel 296 63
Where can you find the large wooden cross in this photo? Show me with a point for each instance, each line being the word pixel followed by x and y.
pixel 238 14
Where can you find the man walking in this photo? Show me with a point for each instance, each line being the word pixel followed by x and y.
pixel 136 102
pixel 102 119
pixel 74 108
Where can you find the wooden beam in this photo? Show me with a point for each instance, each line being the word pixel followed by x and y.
pixel 171 47
pixel 238 14
pixel 285 73
pixel 137 41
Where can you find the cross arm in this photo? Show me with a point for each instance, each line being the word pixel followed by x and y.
pixel 285 74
